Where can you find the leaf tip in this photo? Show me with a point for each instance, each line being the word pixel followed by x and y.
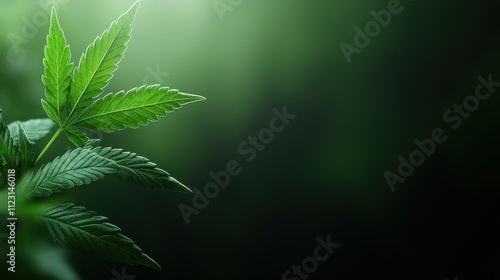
pixel 149 262
pixel 53 16
pixel 193 97
pixel 134 7
pixel 178 186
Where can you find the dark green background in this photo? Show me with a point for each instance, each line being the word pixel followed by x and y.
pixel 323 175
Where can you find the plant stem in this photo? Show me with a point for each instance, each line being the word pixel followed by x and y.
pixel 49 144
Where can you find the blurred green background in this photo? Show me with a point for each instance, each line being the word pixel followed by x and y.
pixel 323 175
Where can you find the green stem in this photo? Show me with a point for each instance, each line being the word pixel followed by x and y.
pixel 49 144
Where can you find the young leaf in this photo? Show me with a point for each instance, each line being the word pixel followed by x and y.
pixel 58 67
pixel 99 62
pixel 74 168
pixel 79 228
pixel 26 154
pixel 137 107
pixel 35 129
pixel 140 170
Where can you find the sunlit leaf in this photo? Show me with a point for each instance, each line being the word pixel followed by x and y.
pixel 99 62
pixel 58 67
pixel 138 106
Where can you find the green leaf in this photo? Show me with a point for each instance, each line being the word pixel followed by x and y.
pixel 91 143
pixel 26 153
pixel 58 67
pixel 76 136
pixel 137 107
pixel 8 152
pixel 74 168
pixel 140 170
pixel 83 166
pixel 99 62
pixel 35 129
pixel 50 110
pixel 79 228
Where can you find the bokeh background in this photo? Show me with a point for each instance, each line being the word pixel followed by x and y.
pixel 323 175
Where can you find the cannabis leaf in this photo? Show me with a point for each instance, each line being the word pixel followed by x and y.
pixel 74 168
pixel 99 62
pixel 57 71
pixel 8 152
pixel 140 170
pixel 75 103
pixel 26 153
pixel 137 107
pixel 83 166
pixel 76 136
pixel 35 129
pixel 80 96
pixel 16 149
pixel 79 228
